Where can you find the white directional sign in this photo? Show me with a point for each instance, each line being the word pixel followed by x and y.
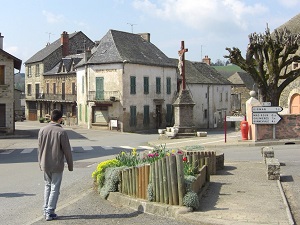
pixel 235 118
pixel 266 109
pixel 265 118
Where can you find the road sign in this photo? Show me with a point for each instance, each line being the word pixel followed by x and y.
pixel 266 109
pixel 266 103
pixel 235 118
pixel 265 118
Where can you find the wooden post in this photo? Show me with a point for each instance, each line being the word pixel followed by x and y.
pixel 152 168
pixel 130 181
pixel 161 185
pixel 180 178
pixel 136 170
pixel 147 175
pixel 140 182
pixel 169 181
pixel 143 182
pixel 173 173
pixel 157 194
pixel 207 166
pixel 165 182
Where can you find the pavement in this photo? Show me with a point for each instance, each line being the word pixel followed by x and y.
pixel 240 194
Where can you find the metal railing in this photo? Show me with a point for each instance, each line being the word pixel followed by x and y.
pixel 103 95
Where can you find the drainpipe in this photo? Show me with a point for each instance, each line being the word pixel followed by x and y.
pixel 208 106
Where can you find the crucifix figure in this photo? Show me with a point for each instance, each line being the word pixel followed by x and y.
pixel 181 63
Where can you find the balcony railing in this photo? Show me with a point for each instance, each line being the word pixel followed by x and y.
pixel 103 96
pixel 53 97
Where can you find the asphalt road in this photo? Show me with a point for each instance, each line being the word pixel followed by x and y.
pixel 22 186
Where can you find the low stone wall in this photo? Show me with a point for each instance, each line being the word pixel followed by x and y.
pixel 272 164
pixel 288 127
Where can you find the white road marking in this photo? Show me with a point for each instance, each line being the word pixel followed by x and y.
pixel 127 147
pixel 27 150
pixel 107 147
pixel 87 148
pixel 146 147
pixel 7 152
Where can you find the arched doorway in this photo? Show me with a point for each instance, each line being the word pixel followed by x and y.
pixel 295 104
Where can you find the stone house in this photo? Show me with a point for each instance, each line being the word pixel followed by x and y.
pixel 242 84
pixel 211 93
pixel 290 96
pixel 126 83
pixel 50 76
pixel 8 64
pixel 59 90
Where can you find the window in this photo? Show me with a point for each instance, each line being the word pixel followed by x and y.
pixel 205 113
pixel 132 85
pixel 158 85
pixel 28 89
pixel 169 114
pixel 54 88
pixel 2 75
pixel 146 85
pixel 168 85
pixel 132 121
pixel 146 120
pixel 47 88
pixel 226 97
pixel 37 70
pixel 82 84
pixel 221 97
pixel 29 71
pixel 73 88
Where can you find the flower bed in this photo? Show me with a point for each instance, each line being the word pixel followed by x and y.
pixel 162 175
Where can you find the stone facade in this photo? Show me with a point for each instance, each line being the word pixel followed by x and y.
pixel 38 101
pixel 116 83
pixel 8 64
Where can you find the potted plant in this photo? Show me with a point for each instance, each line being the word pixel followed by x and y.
pixel 42 119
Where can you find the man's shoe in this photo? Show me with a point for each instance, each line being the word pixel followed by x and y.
pixel 50 217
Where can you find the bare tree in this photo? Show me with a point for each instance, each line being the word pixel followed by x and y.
pixel 269 59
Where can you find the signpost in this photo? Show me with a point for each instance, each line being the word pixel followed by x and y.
pixel 265 118
pixel 266 114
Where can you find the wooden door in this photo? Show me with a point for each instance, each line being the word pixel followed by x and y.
pixel 295 104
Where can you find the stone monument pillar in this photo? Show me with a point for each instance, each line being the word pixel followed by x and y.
pixel 252 101
pixel 184 104
pixel 183 113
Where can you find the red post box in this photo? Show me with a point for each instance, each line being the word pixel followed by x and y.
pixel 244 129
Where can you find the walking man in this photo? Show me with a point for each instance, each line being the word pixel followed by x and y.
pixel 53 148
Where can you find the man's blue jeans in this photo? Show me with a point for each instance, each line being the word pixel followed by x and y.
pixel 52 190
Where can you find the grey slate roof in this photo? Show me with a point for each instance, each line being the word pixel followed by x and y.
pixel 201 73
pixel 17 62
pixel 118 46
pixel 46 51
pixel 292 25
pixel 67 62
pixel 242 78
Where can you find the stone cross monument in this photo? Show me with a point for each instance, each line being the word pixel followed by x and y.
pixel 184 104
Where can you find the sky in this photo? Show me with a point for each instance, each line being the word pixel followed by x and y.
pixel 207 27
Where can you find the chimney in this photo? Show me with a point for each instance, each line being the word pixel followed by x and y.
pixel 206 60
pixel 64 41
pixel 88 54
pixel 1 41
pixel 145 36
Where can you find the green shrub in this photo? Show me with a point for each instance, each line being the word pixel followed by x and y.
pixel 99 173
pixel 191 200
pixel 150 192
pixel 112 180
